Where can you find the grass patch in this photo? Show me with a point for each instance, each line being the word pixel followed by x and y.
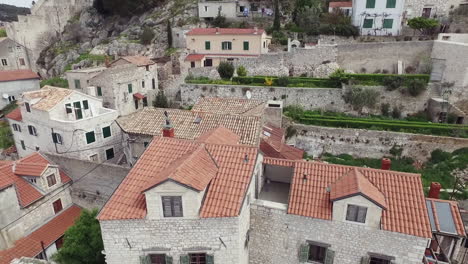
pixel 10 107
pixel 3 33
pixel 56 81
pixel 64 47
pixel 6 137
pixel 99 59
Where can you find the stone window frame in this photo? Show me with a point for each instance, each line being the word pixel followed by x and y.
pixel 366 259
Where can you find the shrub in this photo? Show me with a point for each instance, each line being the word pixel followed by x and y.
pixel 220 21
pixel 385 109
pixel 359 98
pixel 3 33
pixel 268 81
pixel 339 75
pixel 146 36
pixel 282 81
pixel 294 111
pixel 423 24
pixel 396 113
pixel 415 87
pixel 226 70
pixel 279 37
pixel 339 30
pixel 410 69
pixel 161 100
pixel 241 71
pixel 439 155
pixel 393 82
pixel 56 81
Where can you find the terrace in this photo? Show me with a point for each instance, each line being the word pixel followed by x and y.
pixel 276 184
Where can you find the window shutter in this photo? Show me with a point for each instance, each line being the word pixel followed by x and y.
pixel 130 88
pixel 106 131
pixel 388 23
pixel 85 104
pixel 145 260
pixel 168 259
pixel 54 138
pixel 391 3
pixel 304 253
pixel 68 108
pixel 90 137
pixel 361 214
pixel 330 256
pixel 99 91
pixel 207 45
pixel 370 4
pixel 167 210
pixel 177 206
pixel 246 45
pixel 184 259
pixel 365 260
pixel 209 259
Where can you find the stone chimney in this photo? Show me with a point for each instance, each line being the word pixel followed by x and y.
pixel 434 191
pixel 168 129
pixel 217 30
pixel 255 30
pixel 386 164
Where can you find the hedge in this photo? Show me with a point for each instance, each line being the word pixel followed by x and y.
pixel 293 81
pixel 378 79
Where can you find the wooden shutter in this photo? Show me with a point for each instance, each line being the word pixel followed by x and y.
pixel 246 45
pixel 177 206
pixel 90 137
pixel 351 213
pixel 85 104
pixel 361 214
pixel 169 259
pixel 78 113
pixel 304 253
pixel 130 88
pixel 99 91
pixel 388 23
pixel 370 4
pixel 145 260
pixel 184 259
pixel 106 131
pixel 207 45
pixel 68 108
pixel 365 260
pixel 167 208
pixel 391 3
pixel 209 259
pixel 330 256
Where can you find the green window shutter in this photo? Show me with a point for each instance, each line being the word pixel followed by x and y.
pixel 90 138
pixel 184 259
pixel 368 23
pixel 330 256
pixel 145 260
pixel 68 108
pixel 365 260
pixel 78 112
pixel 99 91
pixel 229 45
pixel 246 45
pixel 106 131
pixel 388 23
pixel 169 259
pixel 209 259
pixel 130 88
pixel 207 45
pixel 85 104
pixel 77 84
pixel 391 3
pixel 304 253
pixel 370 4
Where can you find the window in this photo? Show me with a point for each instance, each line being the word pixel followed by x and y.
pixel 57 206
pixel 145 102
pixel 37 148
pixel 316 252
pixel 145 144
pixel 206 8
pixel 78 111
pixel 356 213
pixel 94 158
pixel 22 145
pixel 197 258
pixel 22 62
pixel 246 45
pixel 368 23
pixel 90 138
pixel 136 104
pixel 147 67
pixel 376 260
pixel 57 138
pixel 391 3
pixel 153 83
pixel 208 63
pixel 142 84
pixel 192 64
pixel 130 88
pixel 207 45
pixel 226 45
pixel 99 91
pixel 32 180
pixel 159 259
pixel 77 84
pixel 427 12
pixel 370 4
pixel 264 44
pixel 16 127
pixel 110 153
pixel 4 62
pixel 172 206
pixel 32 130
pixel 388 23
pixel 11 98
pixel 51 181
pixel 85 104
pixel 106 132
pixel 28 107
pixel 68 108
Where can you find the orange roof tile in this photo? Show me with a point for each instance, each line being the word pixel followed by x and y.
pixel 225 31
pixel 30 169
pixel 219 135
pixel 30 246
pixel 139 60
pixel 194 57
pixel 354 183
pixel 272 144
pixel 224 195
pixel 17 75
pixel 15 115
pixel 454 216
pixel 49 97
pixel 406 211
pixel 231 106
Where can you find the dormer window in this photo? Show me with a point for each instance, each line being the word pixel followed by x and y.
pixel 32 180
pixel 172 206
pixel 51 180
pixel 356 213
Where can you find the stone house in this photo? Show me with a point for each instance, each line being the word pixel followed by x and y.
pixel 208 9
pixel 345 7
pixel 207 47
pixel 66 122
pixel 128 84
pixel 13 56
pixel 430 8
pixel 79 79
pixel 36 208
pixel 15 82
pixel 378 18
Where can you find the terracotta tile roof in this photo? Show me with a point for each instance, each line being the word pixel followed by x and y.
pixel 139 60
pixel 194 57
pixel 30 246
pixel 341 4
pixel 225 31
pixel 272 144
pixel 231 106
pixel 30 169
pixel 15 115
pixel 406 212
pixel 224 195
pixel 451 217
pixel 219 135
pixel 190 124
pixel 17 75
pixel 48 96
pixel 195 169
pixel 354 183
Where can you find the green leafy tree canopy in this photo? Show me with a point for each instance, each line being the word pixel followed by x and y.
pixel 423 24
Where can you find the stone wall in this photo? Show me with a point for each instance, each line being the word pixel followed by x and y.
pixel 276 238
pixel 317 140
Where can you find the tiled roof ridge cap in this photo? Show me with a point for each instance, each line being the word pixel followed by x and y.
pixel 211 156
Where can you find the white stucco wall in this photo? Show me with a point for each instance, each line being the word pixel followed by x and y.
pixel 360 12
pixel 16 88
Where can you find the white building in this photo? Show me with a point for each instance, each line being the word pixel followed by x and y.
pixel 128 84
pixel 378 17
pixel 208 9
pixel 14 83
pixel 36 208
pixel 66 122
pixel 13 56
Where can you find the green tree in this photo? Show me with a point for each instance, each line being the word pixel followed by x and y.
pixel 423 24
pixel 220 21
pixel 359 98
pixel 241 71
pixel 226 70
pixel 146 36
pixel 161 100
pixel 169 33
pixel 276 22
pixel 82 242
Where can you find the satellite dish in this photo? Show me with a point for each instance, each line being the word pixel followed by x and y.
pixel 248 94
pixel 5 96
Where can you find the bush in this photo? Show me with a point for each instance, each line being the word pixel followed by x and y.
pixel 268 81
pixel 225 70
pixel 282 81
pixel 3 33
pixel 220 21
pixel 438 156
pixel 385 109
pixel 423 24
pixel 294 111
pixel 241 71
pixel 278 37
pixel 393 82
pixel 56 81
pixel 396 113
pixel 339 75
pixel 415 87
pixel 359 98
pixel 161 100
pixel 339 30
pixel 146 36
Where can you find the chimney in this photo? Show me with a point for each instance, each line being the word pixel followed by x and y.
pixel 434 191
pixel 107 62
pixel 255 30
pixel 386 164
pixel 168 129
pixel 217 30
